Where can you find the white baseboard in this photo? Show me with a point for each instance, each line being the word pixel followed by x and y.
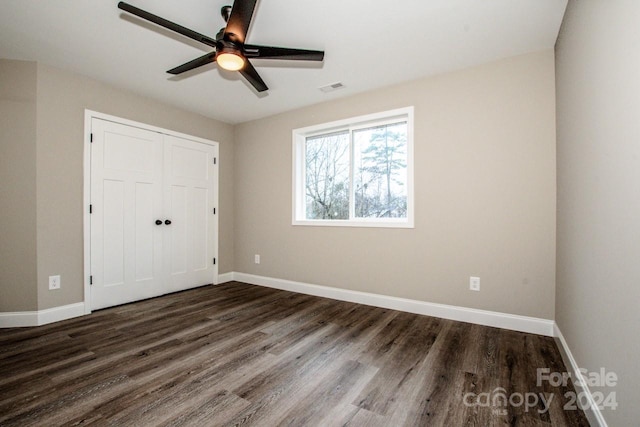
pixel 463 314
pixel 42 317
pixel 482 317
pixel 224 278
pixel 593 413
pixel 18 319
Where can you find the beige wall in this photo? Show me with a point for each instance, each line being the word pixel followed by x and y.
pixel 484 184
pixel 17 186
pixel 598 273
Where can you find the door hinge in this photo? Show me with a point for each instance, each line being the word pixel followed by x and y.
pixel 91 280
pixel 215 160
pixel 214 261
pixel 214 211
pixel 91 137
pixel 90 209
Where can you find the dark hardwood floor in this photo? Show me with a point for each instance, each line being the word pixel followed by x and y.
pixel 237 354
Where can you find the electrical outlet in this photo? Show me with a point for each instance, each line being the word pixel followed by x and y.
pixel 54 282
pixel 256 259
pixel 474 283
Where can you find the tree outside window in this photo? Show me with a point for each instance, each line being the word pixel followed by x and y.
pixel 380 172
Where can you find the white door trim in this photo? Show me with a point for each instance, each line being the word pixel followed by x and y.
pixel 88 116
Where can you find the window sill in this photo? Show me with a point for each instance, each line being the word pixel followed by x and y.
pixel 351 223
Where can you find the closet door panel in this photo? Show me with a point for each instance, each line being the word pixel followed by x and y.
pixel 126 198
pixel 190 181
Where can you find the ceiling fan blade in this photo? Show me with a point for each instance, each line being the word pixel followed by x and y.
pixel 253 77
pixel 255 51
pixel 198 62
pixel 167 24
pixel 239 20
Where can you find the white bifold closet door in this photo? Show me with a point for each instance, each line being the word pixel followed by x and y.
pixel 188 202
pixel 152 221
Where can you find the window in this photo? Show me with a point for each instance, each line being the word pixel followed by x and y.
pixel 355 172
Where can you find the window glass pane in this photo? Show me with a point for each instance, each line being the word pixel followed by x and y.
pixel 380 171
pixel 327 176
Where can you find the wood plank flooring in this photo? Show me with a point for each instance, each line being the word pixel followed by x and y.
pixel 237 354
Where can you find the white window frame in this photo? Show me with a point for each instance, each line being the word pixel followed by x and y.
pixel 299 137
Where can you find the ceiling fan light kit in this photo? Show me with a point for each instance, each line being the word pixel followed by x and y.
pixel 230 61
pixel 231 53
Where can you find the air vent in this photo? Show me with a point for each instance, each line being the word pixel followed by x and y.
pixel 331 87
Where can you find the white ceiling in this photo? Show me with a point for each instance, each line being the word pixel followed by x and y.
pixel 368 44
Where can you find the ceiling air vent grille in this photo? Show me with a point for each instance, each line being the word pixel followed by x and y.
pixel 331 87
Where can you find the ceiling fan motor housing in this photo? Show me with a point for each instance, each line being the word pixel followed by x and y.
pixel 227 46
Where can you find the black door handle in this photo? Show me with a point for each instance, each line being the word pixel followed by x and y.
pixel 168 222
pixel 158 222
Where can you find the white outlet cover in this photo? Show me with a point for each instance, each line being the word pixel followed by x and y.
pixel 256 259
pixel 54 282
pixel 474 283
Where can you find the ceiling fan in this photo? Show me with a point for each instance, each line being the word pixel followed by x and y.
pixel 231 52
